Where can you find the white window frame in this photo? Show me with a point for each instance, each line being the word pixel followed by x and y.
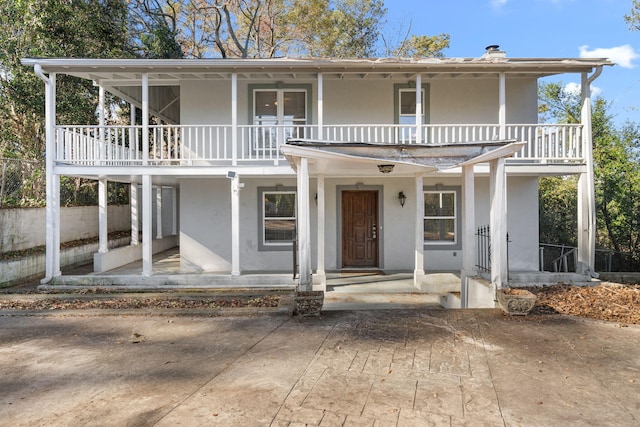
pixel 454 217
pixel 275 245
pixel 412 116
pixel 280 119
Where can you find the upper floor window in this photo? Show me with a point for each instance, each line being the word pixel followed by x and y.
pixel 406 108
pixel 280 107
pixel 277 112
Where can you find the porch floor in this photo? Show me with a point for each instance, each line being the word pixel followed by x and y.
pixel 343 289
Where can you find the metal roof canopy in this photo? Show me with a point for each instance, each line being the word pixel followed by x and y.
pixel 362 159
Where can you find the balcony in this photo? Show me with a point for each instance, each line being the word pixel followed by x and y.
pixel 223 145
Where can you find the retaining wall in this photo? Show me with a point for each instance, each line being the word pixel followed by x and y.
pixel 33 267
pixel 24 228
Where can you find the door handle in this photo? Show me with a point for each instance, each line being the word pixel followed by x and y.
pixel 374 233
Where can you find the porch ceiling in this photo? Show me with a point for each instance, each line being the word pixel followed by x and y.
pixel 123 77
pixel 362 159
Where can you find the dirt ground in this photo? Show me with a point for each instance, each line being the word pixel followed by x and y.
pixel 607 301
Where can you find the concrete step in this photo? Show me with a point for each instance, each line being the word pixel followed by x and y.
pixel 451 300
pixel 339 301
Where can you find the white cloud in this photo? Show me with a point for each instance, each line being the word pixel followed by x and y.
pixel 621 55
pixel 498 3
pixel 574 88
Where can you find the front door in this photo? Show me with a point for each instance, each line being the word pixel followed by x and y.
pixel 359 228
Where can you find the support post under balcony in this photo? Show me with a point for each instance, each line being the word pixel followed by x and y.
pixel 52 212
pixel 147 226
pixel 304 234
pixel 469 251
pixel 159 212
pixel 418 269
pixel 133 201
pixel 586 185
pixel 103 222
pixel 235 223
pixel 498 220
pixel 321 275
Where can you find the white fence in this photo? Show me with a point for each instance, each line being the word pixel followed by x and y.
pixel 222 144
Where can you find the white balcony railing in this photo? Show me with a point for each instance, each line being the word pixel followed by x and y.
pixel 214 144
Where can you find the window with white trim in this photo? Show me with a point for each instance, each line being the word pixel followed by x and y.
pixel 407 106
pixel 405 109
pixel 279 113
pixel 278 218
pixel 440 217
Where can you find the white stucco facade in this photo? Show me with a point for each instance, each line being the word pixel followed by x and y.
pixel 336 142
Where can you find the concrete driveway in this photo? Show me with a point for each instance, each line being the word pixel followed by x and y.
pixel 347 368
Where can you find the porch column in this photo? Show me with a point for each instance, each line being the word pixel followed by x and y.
pixel 469 250
pixel 320 106
pixel 133 203
pixel 234 119
pixel 498 220
pixel 304 235
pixel 502 110
pixel 52 230
pixel 103 222
pixel 102 122
pixel 159 212
pixel 133 134
pixel 145 121
pixel 174 211
pixel 321 275
pixel 586 186
pixel 235 223
pixel 418 271
pixel 419 108
pixel 147 225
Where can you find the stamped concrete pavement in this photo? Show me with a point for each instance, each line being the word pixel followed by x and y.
pixel 361 368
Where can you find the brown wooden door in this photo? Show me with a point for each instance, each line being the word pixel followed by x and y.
pixel 360 229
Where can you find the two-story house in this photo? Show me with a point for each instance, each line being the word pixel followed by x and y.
pixel 389 165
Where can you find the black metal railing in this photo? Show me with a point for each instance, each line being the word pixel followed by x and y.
pixel 483 245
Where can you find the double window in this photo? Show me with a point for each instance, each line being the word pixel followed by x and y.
pixel 278 218
pixel 442 218
pixel 279 113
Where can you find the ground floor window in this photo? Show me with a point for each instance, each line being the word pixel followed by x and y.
pixel 278 218
pixel 441 218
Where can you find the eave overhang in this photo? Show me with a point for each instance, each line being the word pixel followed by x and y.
pixel 171 71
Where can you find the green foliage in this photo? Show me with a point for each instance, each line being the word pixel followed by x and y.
pixel 423 46
pixel 616 153
pixel 268 28
pixel 48 28
pixel 558 209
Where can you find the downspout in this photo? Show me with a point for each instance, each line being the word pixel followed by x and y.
pixel 590 184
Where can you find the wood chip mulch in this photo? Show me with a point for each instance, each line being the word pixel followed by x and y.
pixel 607 301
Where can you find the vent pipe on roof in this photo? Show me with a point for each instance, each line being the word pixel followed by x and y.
pixel 493 51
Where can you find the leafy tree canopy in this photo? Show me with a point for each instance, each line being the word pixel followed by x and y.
pixel 633 18
pixel 616 152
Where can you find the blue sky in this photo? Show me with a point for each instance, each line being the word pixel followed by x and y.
pixel 538 28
